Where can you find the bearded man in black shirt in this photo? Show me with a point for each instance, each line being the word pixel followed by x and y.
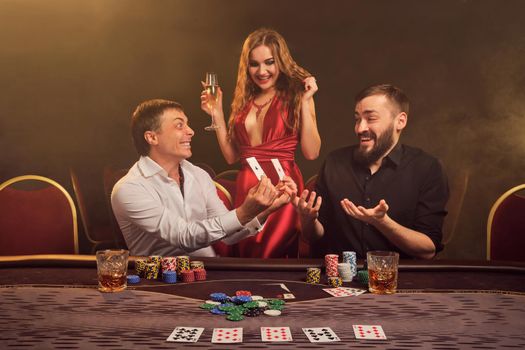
pixel 378 194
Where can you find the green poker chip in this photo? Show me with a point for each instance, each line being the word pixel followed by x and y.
pixel 362 276
pixel 238 313
pixel 235 317
pixel 227 308
pixel 207 306
pixel 240 310
pixel 250 305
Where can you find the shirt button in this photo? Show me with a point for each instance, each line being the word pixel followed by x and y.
pixel 367 199
pixel 367 178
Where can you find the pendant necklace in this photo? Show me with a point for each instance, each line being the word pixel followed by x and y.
pixel 260 107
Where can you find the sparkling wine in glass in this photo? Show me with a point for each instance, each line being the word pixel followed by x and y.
pixel 212 87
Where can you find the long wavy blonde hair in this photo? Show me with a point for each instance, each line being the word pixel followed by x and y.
pixel 289 85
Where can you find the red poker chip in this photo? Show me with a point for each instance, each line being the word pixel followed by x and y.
pixel 200 274
pixel 188 276
pixel 243 292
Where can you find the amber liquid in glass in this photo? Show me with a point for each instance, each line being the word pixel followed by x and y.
pixel 382 282
pixel 111 282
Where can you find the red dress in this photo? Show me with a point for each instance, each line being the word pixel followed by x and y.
pixel 280 235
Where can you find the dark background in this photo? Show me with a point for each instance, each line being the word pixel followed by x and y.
pixel 71 73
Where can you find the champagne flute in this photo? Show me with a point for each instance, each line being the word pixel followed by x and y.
pixel 212 89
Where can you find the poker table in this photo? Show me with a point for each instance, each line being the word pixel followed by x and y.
pixel 52 302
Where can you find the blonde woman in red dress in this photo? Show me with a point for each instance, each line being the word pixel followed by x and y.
pixel 273 112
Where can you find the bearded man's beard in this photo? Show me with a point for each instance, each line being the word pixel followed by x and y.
pixel 381 146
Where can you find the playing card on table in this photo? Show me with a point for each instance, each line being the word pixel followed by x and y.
pixel 362 331
pixel 276 334
pixel 256 167
pixel 278 168
pixel 185 334
pixel 354 291
pixel 321 335
pixel 344 292
pixel 227 335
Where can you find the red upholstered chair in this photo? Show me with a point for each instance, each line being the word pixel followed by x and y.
pixel 222 249
pixel 207 168
pixel 111 177
pixel 506 226
pixel 310 183
pixel 99 236
pixel 37 216
pixel 228 180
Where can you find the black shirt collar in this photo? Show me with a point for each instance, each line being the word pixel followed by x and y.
pixel 395 154
pixel 394 157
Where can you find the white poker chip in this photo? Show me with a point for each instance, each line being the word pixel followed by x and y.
pixel 212 302
pixel 257 297
pixel 272 312
pixel 262 303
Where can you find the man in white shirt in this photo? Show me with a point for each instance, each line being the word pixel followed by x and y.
pixel 167 206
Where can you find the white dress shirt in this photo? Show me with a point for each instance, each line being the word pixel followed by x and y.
pixel 156 219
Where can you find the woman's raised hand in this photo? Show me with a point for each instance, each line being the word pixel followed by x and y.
pixel 310 87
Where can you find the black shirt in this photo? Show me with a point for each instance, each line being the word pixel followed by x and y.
pixel 411 182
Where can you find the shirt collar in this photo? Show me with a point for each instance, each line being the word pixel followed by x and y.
pixel 148 167
pixel 395 154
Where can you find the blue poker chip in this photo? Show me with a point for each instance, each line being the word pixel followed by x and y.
pixel 169 276
pixel 225 305
pixel 241 299
pixel 216 311
pixel 244 298
pixel 133 279
pixel 220 297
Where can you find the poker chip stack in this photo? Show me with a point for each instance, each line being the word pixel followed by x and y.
pixel 169 276
pixel 157 259
pixel 345 271
pixel 169 263
pixel 362 276
pixel 140 266
pixel 313 275
pixel 151 271
pixel 330 262
pixel 200 274
pixel 183 264
pixel 188 276
pixel 195 264
pixel 351 258
pixel 335 281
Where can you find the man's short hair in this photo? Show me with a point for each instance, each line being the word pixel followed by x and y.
pixel 393 93
pixel 146 117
